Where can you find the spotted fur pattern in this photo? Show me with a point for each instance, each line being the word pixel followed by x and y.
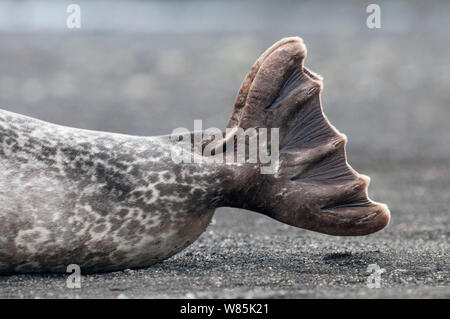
pixel 100 200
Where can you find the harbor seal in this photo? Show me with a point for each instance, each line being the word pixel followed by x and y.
pixel 108 201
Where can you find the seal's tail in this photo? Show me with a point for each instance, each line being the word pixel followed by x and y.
pixel 313 187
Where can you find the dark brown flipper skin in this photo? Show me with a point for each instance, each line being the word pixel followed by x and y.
pixel 314 187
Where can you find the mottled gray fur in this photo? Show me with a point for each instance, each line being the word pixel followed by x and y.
pixel 72 196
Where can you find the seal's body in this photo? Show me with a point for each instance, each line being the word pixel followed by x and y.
pixel 101 200
pixel 109 201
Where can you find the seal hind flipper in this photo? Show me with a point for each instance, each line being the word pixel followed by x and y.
pixel 314 188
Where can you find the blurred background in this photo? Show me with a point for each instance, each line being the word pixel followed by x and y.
pixel 147 67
